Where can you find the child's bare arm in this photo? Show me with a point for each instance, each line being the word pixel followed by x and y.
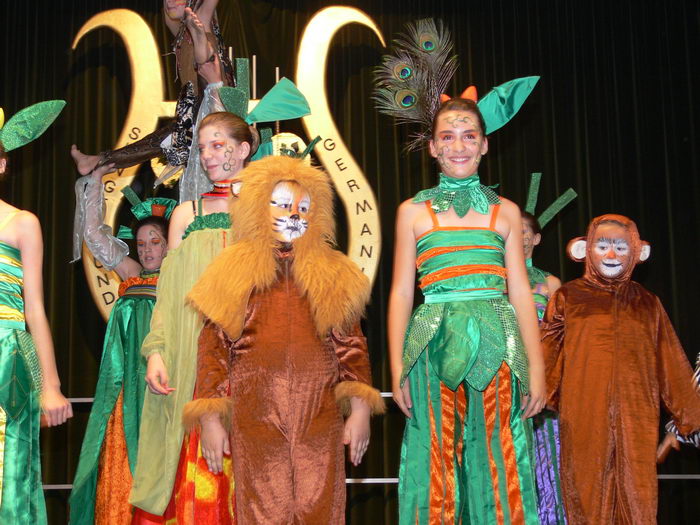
pixel 54 405
pixel 520 296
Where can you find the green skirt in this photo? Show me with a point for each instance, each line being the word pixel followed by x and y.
pixel 122 368
pixel 20 411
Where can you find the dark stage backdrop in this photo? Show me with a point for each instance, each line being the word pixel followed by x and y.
pixel 614 116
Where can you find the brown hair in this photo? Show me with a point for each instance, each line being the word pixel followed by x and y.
pixel 459 104
pixel 531 221
pixel 236 128
pixel 154 220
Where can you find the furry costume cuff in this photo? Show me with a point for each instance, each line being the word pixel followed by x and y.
pixel 348 389
pixel 199 407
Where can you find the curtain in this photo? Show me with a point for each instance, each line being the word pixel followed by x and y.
pixel 614 116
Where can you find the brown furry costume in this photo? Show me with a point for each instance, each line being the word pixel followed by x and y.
pixel 612 356
pixel 281 343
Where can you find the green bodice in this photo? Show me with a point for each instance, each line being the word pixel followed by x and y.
pixel 213 221
pixel 466 324
pixel 11 288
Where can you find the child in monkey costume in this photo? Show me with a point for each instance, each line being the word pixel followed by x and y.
pixel 611 356
pixel 281 356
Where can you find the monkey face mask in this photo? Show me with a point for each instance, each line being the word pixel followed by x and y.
pixel 611 249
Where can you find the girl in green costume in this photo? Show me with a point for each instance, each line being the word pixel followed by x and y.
pixel 29 383
pixel 102 482
pixel 467 370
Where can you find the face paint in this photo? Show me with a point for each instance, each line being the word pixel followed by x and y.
pixel 289 207
pixel 220 155
pixel 151 246
pixel 175 9
pixel 458 143
pixel 611 253
pixel 528 240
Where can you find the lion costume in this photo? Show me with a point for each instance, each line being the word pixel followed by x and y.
pixel 280 347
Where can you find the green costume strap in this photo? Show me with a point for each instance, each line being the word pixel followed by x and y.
pixel 462 194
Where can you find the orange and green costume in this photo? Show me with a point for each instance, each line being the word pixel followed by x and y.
pixel 466 455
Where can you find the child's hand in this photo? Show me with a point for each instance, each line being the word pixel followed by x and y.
pixel 356 432
pixel 56 408
pixel 101 171
pixel 533 401
pixel 664 449
pixel 214 442
pixel 157 376
pixel 402 397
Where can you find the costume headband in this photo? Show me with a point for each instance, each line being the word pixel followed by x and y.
pixel 554 208
pixel 28 124
pixel 153 207
pixel 410 83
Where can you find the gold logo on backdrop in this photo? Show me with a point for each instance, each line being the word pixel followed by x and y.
pixel 147 106
pixel 350 182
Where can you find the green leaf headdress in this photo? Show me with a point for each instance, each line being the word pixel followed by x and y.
pixel 28 124
pixel 156 206
pixel 410 82
pixel 554 208
pixel 283 102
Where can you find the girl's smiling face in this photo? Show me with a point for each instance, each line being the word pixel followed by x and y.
pixel 458 143
pixel 221 156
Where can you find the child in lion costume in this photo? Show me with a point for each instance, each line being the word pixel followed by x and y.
pixel 281 356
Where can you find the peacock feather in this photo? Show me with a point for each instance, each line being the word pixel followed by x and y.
pixel 409 81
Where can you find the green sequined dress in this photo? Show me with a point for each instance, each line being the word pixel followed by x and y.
pixel 466 455
pixel 20 405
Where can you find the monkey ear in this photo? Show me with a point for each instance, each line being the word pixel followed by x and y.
pixel 577 249
pixel 645 252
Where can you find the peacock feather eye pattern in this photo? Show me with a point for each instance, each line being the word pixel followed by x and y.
pixel 406 98
pixel 427 42
pixel 403 71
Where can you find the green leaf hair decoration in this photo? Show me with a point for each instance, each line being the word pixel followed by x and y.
pixel 29 124
pixel 144 209
pixel 307 151
pixel 554 208
pixel 503 102
pixel 283 102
